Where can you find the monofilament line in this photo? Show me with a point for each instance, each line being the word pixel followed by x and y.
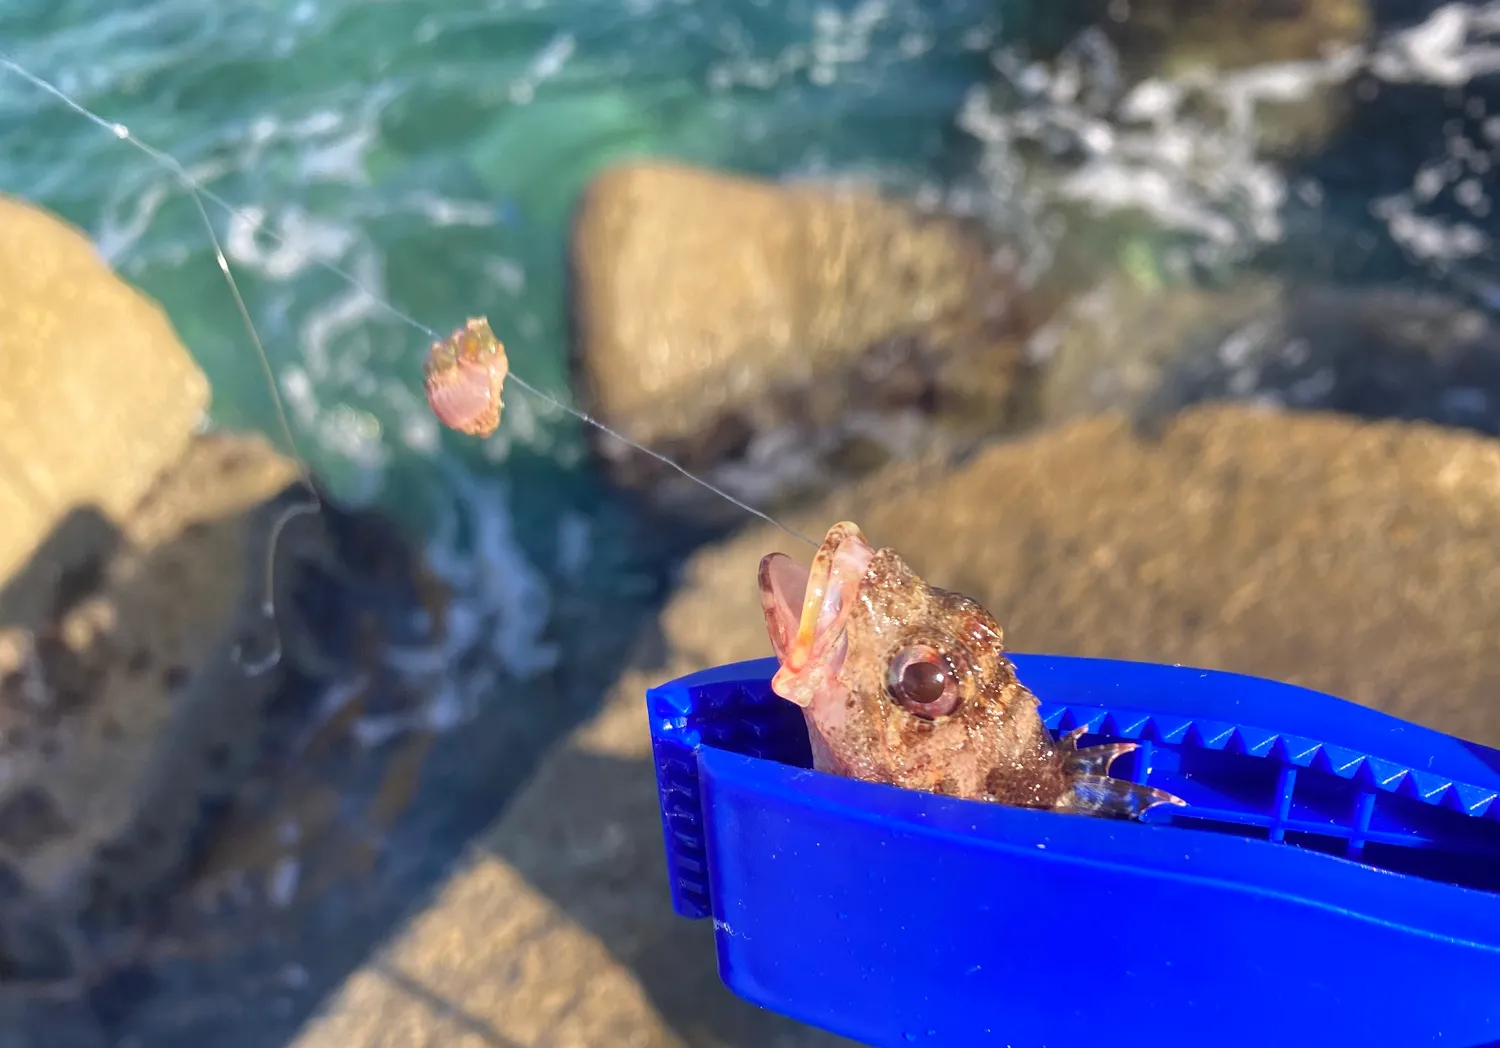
pixel 199 193
pixel 658 456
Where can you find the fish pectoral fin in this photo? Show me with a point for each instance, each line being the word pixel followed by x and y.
pixel 1095 760
pixel 1069 742
pixel 1103 795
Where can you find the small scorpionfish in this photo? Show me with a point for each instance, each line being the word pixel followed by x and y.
pixel 906 684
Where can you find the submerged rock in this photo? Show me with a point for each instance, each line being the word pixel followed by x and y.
pixel 1228 35
pixel 770 334
pixel 1120 345
pixel 1373 352
pixel 1260 52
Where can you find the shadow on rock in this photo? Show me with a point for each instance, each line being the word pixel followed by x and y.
pixel 588 836
pixel 191 853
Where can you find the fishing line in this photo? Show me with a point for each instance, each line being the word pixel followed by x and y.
pixel 199 193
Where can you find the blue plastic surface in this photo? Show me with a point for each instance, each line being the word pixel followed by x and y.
pixel 1335 879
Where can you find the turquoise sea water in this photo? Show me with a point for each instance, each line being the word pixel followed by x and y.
pixel 434 151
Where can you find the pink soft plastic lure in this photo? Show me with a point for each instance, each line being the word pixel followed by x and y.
pixel 465 375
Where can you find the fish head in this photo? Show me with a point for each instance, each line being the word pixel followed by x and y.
pixel 900 682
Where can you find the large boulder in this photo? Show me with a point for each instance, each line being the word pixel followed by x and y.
pixel 97 395
pixel 724 320
pixel 1353 557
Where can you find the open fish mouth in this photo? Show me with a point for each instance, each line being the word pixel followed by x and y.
pixel 806 610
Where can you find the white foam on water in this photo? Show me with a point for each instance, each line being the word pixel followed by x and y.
pixel 119 233
pixel 329 331
pixel 301 241
pixel 1425 238
pixel 547 65
pixel 1455 44
pixel 1146 147
pixel 493 580
pixel 442 211
pixel 281 887
pixel 1187 151
pixel 497 615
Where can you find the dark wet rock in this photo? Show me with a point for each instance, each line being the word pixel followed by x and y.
pixel 1374 352
pixel 1383 352
pixel 767 335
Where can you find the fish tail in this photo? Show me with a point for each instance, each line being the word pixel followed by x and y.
pixel 1104 795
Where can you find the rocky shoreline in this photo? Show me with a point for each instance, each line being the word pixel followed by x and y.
pixel 1283 477
pixel 150 707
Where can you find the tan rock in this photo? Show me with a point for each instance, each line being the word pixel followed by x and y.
pixel 375 1010
pixel 1356 558
pixel 97 395
pixel 129 708
pixel 700 297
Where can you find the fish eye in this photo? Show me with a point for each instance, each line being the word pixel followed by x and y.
pixel 923 681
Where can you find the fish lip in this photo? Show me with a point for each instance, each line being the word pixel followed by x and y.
pixel 819 647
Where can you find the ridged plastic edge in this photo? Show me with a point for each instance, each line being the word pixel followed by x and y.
pixel 674 746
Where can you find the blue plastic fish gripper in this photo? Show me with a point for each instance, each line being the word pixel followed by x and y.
pixel 1334 880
